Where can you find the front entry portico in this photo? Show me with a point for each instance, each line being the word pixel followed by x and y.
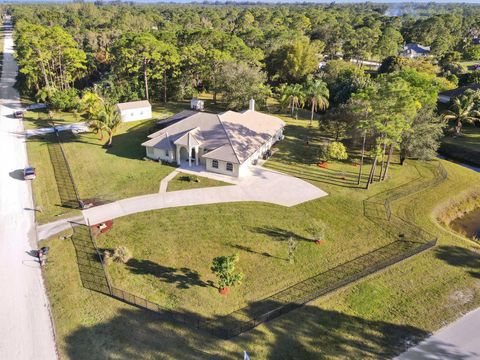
pixel 187 153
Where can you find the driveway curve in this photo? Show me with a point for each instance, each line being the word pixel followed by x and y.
pixel 261 185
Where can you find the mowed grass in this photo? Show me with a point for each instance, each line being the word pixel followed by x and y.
pixel 173 248
pixel 470 138
pixel 183 181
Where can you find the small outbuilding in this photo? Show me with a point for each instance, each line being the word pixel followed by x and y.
pixel 135 110
pixel 197 104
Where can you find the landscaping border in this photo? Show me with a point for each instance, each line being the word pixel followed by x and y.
pixel 410 240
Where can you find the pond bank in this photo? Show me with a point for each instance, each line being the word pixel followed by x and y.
pixel 468 225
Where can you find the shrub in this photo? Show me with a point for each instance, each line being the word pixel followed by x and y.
pixel 224 268
pixel 121 255
pixel 334 150
pixel 64 100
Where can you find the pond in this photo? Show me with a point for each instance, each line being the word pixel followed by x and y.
pixel 469 224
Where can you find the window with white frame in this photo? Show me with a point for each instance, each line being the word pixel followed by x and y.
pixel 166 153
pixel 215 164
pixel 229 167
pixel 149 151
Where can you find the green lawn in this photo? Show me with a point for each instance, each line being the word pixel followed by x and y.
pixel 184 181
pixel 35 119
pixel 172 250
pixel 99 172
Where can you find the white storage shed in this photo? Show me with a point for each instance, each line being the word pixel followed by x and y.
pixel 135 110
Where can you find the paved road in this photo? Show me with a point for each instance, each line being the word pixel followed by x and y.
pixel 25 325
pixel 458 341
pixel 263 185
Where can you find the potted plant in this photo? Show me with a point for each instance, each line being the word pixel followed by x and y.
pixel 224 268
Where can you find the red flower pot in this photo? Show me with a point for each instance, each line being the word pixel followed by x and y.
pixel 319 241
pixel 224 291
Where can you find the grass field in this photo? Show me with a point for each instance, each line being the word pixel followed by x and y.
pixel 184 181
pixel 104 173
pixel 172 250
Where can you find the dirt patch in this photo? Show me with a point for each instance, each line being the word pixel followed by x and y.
pixel 462 297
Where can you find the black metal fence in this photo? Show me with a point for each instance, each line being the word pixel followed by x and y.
pixel 410 240
pixel 63 176
pixel 89 260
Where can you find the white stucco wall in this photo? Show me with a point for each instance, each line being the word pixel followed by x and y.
pixel 136 114
pixel 159 154
pixel 222 168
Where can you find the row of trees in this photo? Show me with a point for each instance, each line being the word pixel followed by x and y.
pixel 169 51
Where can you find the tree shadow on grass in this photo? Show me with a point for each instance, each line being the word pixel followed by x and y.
pixel 183 278
pixel 250 250
pixel 459 256
pixel 280 234
pixel 306 333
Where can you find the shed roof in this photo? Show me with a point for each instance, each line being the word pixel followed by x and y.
pixel 133 105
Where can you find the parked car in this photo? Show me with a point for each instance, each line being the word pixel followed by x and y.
pixel 29 173
pixel 18 113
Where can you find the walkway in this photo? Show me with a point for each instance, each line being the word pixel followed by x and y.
pixel 46 231
pixel 79 127
pixel 262 185
pixel 459 340
pixel 25 325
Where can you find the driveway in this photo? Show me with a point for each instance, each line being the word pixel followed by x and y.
pixel 25 324
pixel 458 341
pixel 262 185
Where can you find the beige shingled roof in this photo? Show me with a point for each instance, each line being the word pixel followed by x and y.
pixel 133 105
pixel 230 136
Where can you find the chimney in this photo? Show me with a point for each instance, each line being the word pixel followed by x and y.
pixel 251 105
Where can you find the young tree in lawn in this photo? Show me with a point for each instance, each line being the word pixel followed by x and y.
pixel 464 110
pixel 317 94
pixel 224 268
pixel 292 246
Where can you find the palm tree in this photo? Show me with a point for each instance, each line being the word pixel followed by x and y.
pixel 291 96
pixel 91 102
pixel 463 111
pixel 317 94
pixel 107 121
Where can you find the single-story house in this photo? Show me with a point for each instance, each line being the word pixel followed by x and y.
pixel 446 96
pixel 413 51
pixel 225 143
pixel 134 110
